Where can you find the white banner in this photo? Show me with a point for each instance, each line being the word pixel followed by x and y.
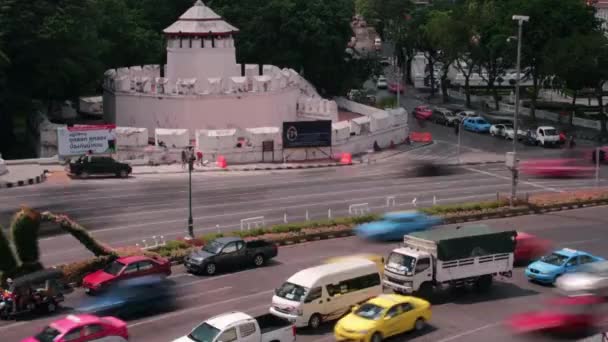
pixel 79 140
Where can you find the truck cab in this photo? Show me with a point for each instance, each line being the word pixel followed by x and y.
pixel 407 269
pixel 547 136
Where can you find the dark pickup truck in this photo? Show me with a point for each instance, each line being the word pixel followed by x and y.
pixel 229 252
pixel 98 165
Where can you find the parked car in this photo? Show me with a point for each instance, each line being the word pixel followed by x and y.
pixel 444 116
pixel 381 83
pixel 83 328
pixel 396 87
pixel 125 268
pixel 544 136
pixel 230 252
pixel 86 166
pixel 383 317
pixel 550 267
pixel 377 259
pixel 238 326
pixel 562 167
pixel 529 247
pixel 500 130
pixel 476 124
pixel 465 114
pixel 422 112
pixel 393 226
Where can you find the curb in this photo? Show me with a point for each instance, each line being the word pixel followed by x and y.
pixel 25 182
pixel 291 167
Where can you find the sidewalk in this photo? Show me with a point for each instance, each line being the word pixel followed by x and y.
pixel 21 175
pixel 212 167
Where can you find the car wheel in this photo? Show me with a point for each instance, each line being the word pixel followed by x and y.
pixel 123 174
pixel 210 269
pixel 315 321
pixel 51 307
pixel 259 260
pixel 376 337
pixel 492 134
pixel 420 324
pixel 84 174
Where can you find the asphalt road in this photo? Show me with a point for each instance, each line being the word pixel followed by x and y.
pixel 458 317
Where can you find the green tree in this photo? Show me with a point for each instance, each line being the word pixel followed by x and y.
pixel 549 20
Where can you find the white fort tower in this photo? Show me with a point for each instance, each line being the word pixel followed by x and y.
pixel 203 87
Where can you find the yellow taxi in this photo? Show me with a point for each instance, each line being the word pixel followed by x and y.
pixel 382 317
pixel 377 259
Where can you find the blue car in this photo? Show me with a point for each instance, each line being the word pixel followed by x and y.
pixel 393 226
pixel 550 267
pixel 476 124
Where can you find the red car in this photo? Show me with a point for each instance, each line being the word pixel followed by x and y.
pixel 423 112
pixel 566 167
pixel 565 315
pixel 83 328
pixel 529 247
pixel 125 268
pixel 396 87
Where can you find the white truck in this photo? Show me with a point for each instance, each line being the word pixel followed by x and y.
pixel 443 257
pixel 544 136
pixel 239 326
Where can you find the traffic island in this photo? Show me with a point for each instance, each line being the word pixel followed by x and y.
pixel 22 175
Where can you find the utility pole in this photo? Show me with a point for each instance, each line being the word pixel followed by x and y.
pixel 597 166
pixel 191 159
pixel 514 171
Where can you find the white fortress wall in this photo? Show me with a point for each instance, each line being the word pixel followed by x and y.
pixel 340 131
pixel 172 138
pixel 356 107
pixel 131 137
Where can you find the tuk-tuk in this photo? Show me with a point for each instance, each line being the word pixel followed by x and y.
pixel 40 291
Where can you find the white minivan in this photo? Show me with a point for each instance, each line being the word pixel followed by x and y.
pixel 326 292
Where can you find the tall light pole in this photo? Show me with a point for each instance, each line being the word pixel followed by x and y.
pixel 191 158
pixel 520 21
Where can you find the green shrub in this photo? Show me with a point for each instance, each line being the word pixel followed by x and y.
pixel 75 271
pixel 475 206
pixel 8 261
pixel 24 230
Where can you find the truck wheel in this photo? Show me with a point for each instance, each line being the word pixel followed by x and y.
pixel 420 324
pixel 315 321
pixel 425 291
pixel 259 260
pixel 210 269
pixel 376 337
pixel 484 283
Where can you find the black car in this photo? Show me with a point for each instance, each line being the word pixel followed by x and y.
pixel 229 252
pixel 98 165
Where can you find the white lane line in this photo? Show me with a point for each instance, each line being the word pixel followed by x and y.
pixel 197 295
pixel 13 325
pixel 509 178
pixel 198 308
pixel 469 332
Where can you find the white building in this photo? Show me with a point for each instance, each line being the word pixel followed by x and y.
pixel 203 87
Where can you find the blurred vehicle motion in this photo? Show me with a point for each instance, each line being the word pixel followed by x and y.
pixel 132 297
pixel 125 268
pixel 552 266
pixel 563 167
pixel 394 225
pixel 529 247
pixel 571 315
pixel 377 259
pixel 422 112
pixel 590 279
pixel 430 169
pixel 83 328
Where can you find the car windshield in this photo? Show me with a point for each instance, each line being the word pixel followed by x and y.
pixel 401 262
pixel 48 334
pixel 508 126
pixel 554 259
pixel 292 292
pixel 114 268
pixel 370 311
pixel 204 333
pixel 550 132
pixel 213 247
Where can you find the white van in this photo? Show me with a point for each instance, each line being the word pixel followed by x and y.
pixel 326 292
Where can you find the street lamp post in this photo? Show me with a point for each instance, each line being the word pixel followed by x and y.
pixel 520 21
pixel 191 159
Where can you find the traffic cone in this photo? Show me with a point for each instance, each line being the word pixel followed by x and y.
pixel 221 162
pixel 346 159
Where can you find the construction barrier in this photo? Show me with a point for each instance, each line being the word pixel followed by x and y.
pixel 346 159
pixel 221 162
pixel 421 137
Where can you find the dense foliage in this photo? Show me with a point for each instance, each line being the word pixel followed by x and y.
pixel 58 50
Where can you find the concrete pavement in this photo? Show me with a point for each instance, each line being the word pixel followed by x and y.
pixel 460 317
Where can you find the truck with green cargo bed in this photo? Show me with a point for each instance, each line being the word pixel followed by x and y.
pixel 444 257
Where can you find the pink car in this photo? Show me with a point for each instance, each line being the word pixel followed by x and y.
pixel 422 112
pixel 556 168
pixel 528 247
pixel 83 328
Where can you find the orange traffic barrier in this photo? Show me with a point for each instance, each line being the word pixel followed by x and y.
pixel 221 162
pixel 421 137
pixel 346 159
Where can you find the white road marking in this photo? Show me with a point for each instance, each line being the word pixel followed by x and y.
pixel 509 178
pixel 198 308
pixel 13 325
pixel 196 295
pixel 469 332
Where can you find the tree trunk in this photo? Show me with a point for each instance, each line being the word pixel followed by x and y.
pixel 444 89
pixel 408 70
pixel 533 97
pixel 467 90
pixel 495 96
pixel 571 117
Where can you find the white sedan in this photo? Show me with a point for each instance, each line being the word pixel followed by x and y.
pixel 506 131
pixel 382 83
